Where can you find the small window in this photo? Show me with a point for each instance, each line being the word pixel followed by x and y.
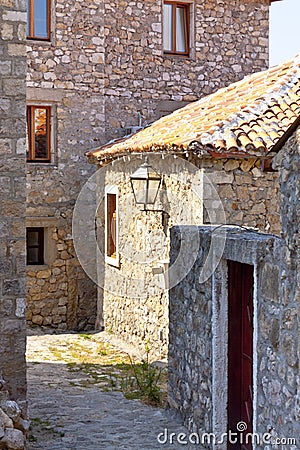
pixel 35 246
pixel 38 19
pixel 111 226
pixel 39 133
pixel 176 28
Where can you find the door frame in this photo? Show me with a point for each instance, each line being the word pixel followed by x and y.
pixel 220 346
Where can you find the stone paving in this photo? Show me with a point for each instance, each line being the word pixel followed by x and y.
pixel 68 414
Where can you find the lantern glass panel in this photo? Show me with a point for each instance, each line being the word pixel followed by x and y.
pixel 153 191
pixel 139 190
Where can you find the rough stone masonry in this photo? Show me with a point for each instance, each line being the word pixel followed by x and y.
pixel 102 72
pixel 199 319
pixel 13 427
pixel 12 196
pixel 249 198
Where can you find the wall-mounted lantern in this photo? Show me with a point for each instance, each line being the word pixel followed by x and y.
pixel 145 183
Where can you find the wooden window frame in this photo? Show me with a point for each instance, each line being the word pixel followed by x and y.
pixel 31 133
pixel 41 246
pixel 186 7
pixel 30 15
pixel 111 242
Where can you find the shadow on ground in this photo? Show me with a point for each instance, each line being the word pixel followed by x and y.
pixel 76 383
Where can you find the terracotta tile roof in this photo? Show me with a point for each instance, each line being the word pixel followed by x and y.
pixel 246 118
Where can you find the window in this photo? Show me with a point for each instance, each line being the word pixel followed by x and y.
pixel 38 19
pixel 176 28
pixel 35 245
pixel 39 133
pixel 111 226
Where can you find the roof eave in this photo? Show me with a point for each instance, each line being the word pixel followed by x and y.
pixel 194 147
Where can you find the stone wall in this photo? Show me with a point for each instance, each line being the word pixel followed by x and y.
pixel 276 321
pixel 198 336
pixel 250 195
pixel 135 300
pixel 229 40
pixel 283 409
pixel 113 52
pixel 66 73
pixel 212 191
pixel 14 423
pixel 12 197
pixel 103 71
pixel 59 294
pixel 190 351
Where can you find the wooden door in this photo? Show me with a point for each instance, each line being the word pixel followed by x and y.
pixel 240 349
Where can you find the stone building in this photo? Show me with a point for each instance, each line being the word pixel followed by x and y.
pixel 234 334
pixel 12 224
pixel 13 187
pixel 232 298
pixel 98 71
pixel 214 159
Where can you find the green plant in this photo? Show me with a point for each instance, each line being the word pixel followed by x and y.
pixel 39 426
pixel 113 381
pixel 86 336
pixel 31 438
pixel 103 352
pixel 143 381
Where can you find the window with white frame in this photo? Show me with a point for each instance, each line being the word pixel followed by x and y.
pixel 39 133
pixel 41 124
pixel 111 226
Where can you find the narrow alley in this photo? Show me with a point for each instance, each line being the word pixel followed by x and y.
pixel 76 404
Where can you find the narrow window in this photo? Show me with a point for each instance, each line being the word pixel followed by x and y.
pixel 35 245
pixel 176 28
pixel 38 19
pixel 111 227
pixel 39 133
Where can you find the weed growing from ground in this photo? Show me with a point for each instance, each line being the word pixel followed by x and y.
pixel 40 426
pixel 142 382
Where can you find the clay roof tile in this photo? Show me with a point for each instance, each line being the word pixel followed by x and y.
pixel 249 115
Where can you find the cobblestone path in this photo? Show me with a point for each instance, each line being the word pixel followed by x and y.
pixel 73 409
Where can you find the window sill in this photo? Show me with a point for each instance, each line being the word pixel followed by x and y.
pixel 113 261
pixel 39 40
pixel 39 163
pixel 36 267
pixel 176 55
pixel 30 161
pixel 30 42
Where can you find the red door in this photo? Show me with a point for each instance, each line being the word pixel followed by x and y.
pixel 240 350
